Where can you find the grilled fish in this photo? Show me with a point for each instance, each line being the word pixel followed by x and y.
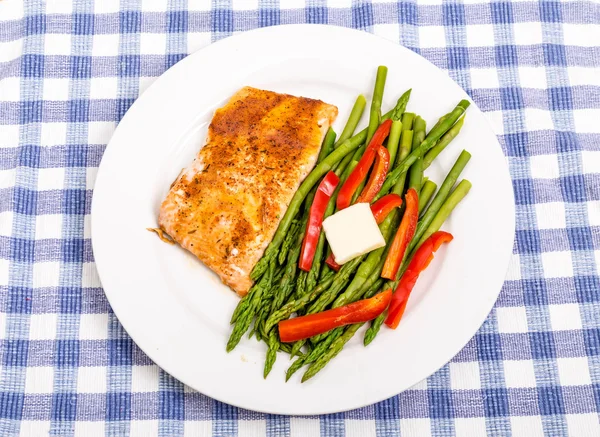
pixel 226 206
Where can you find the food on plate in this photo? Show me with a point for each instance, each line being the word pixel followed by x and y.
pixel 319 236
pixel 352 232
pixel 226 206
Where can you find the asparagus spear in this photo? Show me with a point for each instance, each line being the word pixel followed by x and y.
pixel 394 141
pixel 443 142
pixel 375 115
pixel 353 119
pixel 416 171
pixel 429 142
pixel 427 191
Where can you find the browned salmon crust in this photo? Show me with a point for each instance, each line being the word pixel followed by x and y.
pixel 226 206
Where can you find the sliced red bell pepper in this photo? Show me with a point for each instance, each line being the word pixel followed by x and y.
pixel 330 261
pixel 315 219
pixel 420 261
pixel 377 177
pixel 403 236
pixel 384 206
pixel 361 170
pixel 300 328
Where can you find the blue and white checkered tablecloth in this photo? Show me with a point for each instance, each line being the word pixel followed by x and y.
pixel 70 69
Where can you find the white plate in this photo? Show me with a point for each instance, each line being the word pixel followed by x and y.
pixel 177 310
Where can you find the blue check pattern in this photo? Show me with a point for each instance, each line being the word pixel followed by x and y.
pixel 69 70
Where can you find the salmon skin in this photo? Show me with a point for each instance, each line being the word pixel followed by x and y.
pixel 227 204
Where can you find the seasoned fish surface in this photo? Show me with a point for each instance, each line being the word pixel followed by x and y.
pixel 226 206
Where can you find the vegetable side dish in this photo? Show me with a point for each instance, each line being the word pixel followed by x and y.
pixel 318 238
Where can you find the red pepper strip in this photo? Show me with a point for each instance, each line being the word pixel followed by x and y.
pixel 384 206
pixel 377 177
pixel 300 328
pixel 361 170
pixel 330 261
pixel 315 219
pixel 403 236
pixel 421 260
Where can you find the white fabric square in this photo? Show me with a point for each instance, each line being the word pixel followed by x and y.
pixel 514 268
pixel 565 317
pixel 431 2
pixel 544 166
pixel 511 319
pixel 484 78
pixel 7 178
pixel 339 4
pixel 557 264
pixel 197 40
pixel 56 89
pixel 107 7
pixel 10 50
pixel 432 36
pixel 43 326
pixel 48 226
pixel 155 6
pixel 574 371
pixel 469 427
pixel 533 77
pixel 59 6
pixel 90 177
pixel 93 327
pixel 103 87
pixel 538 119
pixel 519 374
pixel 388 31
pixel 301 427
pixel 87 226
pixel 53 134
pixel 11 11
pixel 144 379
pixel 199 6
pixel 51 179
pixel 594 212
pixel 153 43
pixel 416 427
pixel 551 215
pixel 583 424
pixel 57 44
pixel 583 75
pixel 91 379
pixel 100 132
pixel 465 375
pixel 10 89
pixel 528 33
pixel 39 380
pixel 586 120
pixel 480 35
pixel 9 135
pixel 360 428
pixel 581 35
pixel 193 428
pixel 421 385
pixel 34 427
pixel 105 45
pixel 46 274
pixel 144 428
pixel 252 5
pixel 6 223
pixel 591 161
pixel 530 426
pixel 252 428
pixel 90 276
pixel 89 429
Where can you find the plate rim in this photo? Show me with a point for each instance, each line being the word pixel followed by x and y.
pixel 180 66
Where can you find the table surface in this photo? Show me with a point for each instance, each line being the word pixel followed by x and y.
pixel 70 69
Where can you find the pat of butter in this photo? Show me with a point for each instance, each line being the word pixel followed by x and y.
pixel 352 232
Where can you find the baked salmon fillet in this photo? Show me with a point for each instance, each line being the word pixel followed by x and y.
pixel 226 206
